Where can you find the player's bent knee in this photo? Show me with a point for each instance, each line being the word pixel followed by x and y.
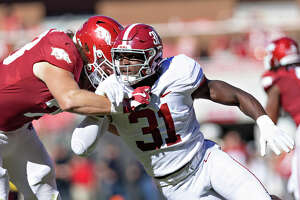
pixel 78 148
pixel 38 173
pixel 41 179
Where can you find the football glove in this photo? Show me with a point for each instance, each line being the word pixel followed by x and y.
pixel 140 97
pixel 272 136
pixel 114 91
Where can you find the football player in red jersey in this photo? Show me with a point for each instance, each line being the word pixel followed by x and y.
pixel 43 77
pixel 281 82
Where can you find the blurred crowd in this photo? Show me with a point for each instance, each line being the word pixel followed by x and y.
pixel 12 25
pixel 247 43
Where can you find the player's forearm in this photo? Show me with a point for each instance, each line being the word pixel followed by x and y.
pixel 250 106
pixel 86 103
pixel 273 103
pixel 87 110
pixel 273 113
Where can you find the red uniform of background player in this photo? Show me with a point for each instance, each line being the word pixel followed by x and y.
pixel 281 82
pixel 287 83
pixel 42 77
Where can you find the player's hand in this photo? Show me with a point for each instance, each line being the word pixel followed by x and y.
pixel 140 97
pixel 272 136
pixel 114 91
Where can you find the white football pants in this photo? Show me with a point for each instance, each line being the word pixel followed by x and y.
pixel 212 174
pixel 26 161
pixel 293 184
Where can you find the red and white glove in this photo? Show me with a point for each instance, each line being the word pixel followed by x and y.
pixel 140 97
pixel 272 136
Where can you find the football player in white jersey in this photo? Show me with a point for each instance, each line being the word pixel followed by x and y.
pixel 152 110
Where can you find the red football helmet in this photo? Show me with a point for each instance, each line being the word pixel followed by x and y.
pixel 96 37
pixel 281 52
pixel 144 42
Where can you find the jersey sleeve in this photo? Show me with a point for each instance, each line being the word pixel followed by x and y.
pixel 59 50
pixel 189 74
pixel 268 79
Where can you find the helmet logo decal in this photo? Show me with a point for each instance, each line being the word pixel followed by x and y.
pixel 61 54
pixel 155 37
pixel 104 34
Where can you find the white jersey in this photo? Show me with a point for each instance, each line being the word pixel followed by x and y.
pixel 165 135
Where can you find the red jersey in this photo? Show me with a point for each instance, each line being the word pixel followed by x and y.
pixel 23 96
pixel 288 82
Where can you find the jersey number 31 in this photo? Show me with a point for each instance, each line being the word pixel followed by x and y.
pixel 153 129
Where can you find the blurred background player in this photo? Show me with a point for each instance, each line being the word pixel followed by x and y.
pixel 281 82
pixel 42 77
pixel 158 121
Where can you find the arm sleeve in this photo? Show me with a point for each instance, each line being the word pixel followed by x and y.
pixel 86 135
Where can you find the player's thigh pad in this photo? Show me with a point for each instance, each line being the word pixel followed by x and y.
pixel 217 176
pixel 194 182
